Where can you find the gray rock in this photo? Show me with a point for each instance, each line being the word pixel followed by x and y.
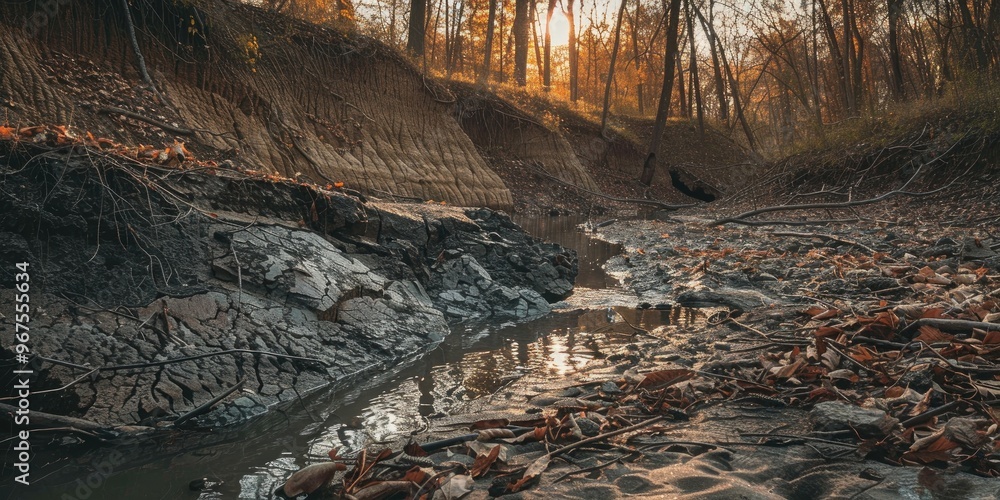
pixel 972 249
pixel 837 416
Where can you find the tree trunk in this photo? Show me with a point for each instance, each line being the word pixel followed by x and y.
pixel 574 54
pixel 720 85
pixel 695 84
pixel 681 95
pixel 849 57
pixel 534 36
pixel 660 122
pixel 611 68
pixel 895 9
pixel 634 25
pixel 838 58
pixel 417 28
pixel 972 36
pixel 484 74
pixel 547 63
pixel 521 42
pixel 733 84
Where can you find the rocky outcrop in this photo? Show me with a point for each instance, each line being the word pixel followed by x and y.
pixel 171 288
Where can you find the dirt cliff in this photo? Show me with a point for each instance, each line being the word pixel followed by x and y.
pixel 270 93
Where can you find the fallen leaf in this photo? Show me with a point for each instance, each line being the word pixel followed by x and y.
pixel 827 314
pixel 417 475
pixel 384 489
pixel 534 470
pixel 456 486
pixel 415 450
pixel 483 462
pixel 492 423
pixel 665 378
pixel 930 334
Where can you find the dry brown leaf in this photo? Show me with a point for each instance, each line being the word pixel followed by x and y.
pixel 457 486
pixel 665 378
pixel 492 423
pixel 788 371
pixel 925 401
pixel 828 332
pixel 931 334
pixel 534 470
pixel 416 475
pixel 814 310
pixel 483 462
pixel 992 337
pixel 415 450
pixel 827 314
pixel 385 489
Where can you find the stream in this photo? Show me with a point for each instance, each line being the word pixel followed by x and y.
pixel 474 362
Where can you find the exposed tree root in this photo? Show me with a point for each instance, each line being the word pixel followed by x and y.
pixel 110 110
pixel 742 218
pixel 138 53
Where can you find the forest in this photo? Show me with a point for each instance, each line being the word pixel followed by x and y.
pixel 774 72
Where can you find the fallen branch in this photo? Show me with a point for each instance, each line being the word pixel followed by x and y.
pixel 204 408
pixel 638 201
pixel 606 435
pixel 138 53
pixel 825 237
pixel 929 414
pixel 820 222
pixel 591 468
pixel 42 419
pixel 111 110
pixel 741 218
pixel 948 325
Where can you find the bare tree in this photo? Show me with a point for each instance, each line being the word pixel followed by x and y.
pixel 611 67
pixel 660 122
pixel 484 74
pixel 574 53
pixel 417 27
pixel 521 42
pixel 547 62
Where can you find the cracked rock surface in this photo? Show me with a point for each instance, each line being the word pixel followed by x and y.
pixel 172 288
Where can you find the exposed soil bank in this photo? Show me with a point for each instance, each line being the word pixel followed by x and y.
pixel 324 105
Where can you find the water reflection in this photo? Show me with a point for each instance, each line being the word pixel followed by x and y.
pixel 457 373
pixel 592 253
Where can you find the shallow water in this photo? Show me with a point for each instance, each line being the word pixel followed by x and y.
pixel 474 362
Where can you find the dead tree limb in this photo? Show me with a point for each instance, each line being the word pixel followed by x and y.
pixel 111 110
pixel 204 408
pixel 825 237
pixel 638 201
pixel 741 218
pixel 127 14
pixel 948 325
pixel 41 419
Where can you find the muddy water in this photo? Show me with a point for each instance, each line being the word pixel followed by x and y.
pixel 472 363
pixel 592 253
